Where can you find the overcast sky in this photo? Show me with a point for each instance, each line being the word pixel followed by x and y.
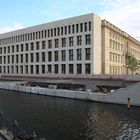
pixel 17 14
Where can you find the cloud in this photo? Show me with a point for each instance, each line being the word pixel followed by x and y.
pixel 125 14
pixel 15 26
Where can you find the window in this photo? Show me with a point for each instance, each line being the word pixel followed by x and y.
pixel 61 30
pixel 65 30
pixel 21 69
pixel 8 49
pixel 8 69
pixel 16 69
pixel 45 33
pixel 69 29
pixel 43 44
pixel 4 59
pixel 58 31
pixel 4 49
pixel 72 28
pixel 49 68
pixel 48 33
pixel 43 56
pixel 63 68
pixel 17 58
pixel 26 69
pixel 56 43
pixel 49 56
pixel 42 34
pixel 71 68
pixel 43 68
pixel 79 54
pixel 32 69
pixel 51 32
pixel 81 27
pixel 56 56
pixel 32 57
pixel 56 68
pixel 21 46
pixel 71 41
pixel 88 39
pixel 79 68
pixel 12 69
pixel 54 31
pixel 4 69
pixel 33 36
pixel 37 45
pixel 88 53
pixel 87 69
pixel 79 40
pixel 85 26
pixel 12 58
pixel 37 69
pixel 37 57
pixel 89 26
pixel 49 44
pixel 26 46
pixel 26 58
pixel 17 48
pixel 8 59
pixel 13 49
pixel 77 28
pixel 0 50
pixel 70 55
pixel 63 55
pixel 0 59
pixel 21 58
pixel 32 46
pixel 63 42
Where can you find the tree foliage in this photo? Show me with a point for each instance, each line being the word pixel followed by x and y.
pixel 133 64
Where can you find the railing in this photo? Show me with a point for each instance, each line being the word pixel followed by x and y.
pixel 15 130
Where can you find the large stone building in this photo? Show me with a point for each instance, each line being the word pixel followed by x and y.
pixel 117 47
pixel 79 45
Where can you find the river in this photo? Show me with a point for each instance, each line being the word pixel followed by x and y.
pixel 68 119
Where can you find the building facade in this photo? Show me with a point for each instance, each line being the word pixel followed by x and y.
pixel 79 45
pixel 67 46
pixel 117 47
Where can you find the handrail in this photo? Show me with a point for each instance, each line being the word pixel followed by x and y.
pixel 13 128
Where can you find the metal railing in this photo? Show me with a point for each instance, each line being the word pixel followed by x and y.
pixel 14 129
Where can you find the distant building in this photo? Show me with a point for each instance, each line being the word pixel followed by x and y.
pixel 117 47
pixel 79 45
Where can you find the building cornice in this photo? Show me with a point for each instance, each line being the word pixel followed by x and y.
pixel 121 32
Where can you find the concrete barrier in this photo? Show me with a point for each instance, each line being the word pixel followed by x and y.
pixel 118 97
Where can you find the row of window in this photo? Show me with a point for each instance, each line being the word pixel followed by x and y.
pixel 135 53
pixel 63 30
pixel 116 70
pixel 36 45
pixel 116 58
pixel 41 57
pixel 117 46
pixel 41 69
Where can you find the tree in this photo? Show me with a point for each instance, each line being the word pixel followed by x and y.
pixel 133 64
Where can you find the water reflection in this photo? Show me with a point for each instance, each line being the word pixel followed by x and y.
pixel 66 119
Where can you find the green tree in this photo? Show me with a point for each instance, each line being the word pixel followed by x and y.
pixel 133 64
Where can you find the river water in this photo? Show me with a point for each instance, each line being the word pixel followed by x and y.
pixel 67 119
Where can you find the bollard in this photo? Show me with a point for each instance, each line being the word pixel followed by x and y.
pixel 1 119
pixel 14 129
pixel 128 103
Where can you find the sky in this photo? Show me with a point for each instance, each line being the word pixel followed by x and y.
pixel 17 14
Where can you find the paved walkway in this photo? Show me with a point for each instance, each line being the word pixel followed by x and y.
pixel 4 135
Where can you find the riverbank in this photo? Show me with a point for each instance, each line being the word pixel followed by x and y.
pixel 119 96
